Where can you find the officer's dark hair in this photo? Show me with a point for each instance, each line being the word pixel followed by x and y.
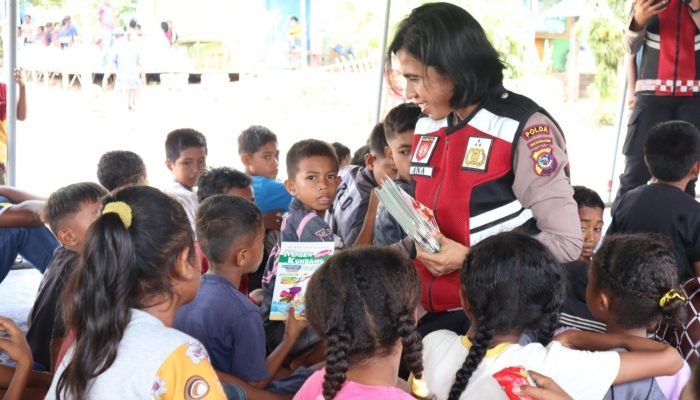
pixel 305 149
pixel 219 181
pixel 341 150
pixel 253 138
pixel 377 141
pixel 508 268
pixel 671 149
pixel 585 197
pixel 448 38
pixel 401 119
pixel 638 271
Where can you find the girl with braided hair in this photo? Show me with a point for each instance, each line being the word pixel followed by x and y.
pixel 511 285
pixel 632 286
pixel 363 303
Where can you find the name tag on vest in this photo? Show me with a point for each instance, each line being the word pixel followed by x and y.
pixel 421 170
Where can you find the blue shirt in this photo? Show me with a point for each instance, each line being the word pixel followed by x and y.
pixel 229 326
pixel 270 194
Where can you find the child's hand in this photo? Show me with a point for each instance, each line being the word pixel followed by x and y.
pixel 19 77
pixel 571 338
pixel 14 344
pixel 294 327
pixel 644 10
pixel 546 389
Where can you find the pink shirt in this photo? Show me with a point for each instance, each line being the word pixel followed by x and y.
pixel 313 390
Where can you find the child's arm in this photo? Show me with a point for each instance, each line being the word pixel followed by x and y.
pixel 16 347
pixel 645 358
pixel 22 96
pixel 293 329
pixel 18 196
pixel 25 214
pixel 366 236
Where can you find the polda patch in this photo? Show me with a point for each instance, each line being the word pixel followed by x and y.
pixel 424 150
pixel 535 130
pixel 545 162
pixel 476 155
pixel 540 142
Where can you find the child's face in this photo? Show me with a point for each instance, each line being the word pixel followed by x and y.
pixel 75 226
pixel 400 153
pixel 382 167
pixel 264 162
pixel 315 183
pixel 245 193
pixel 593 298
pixel 591 228
pixel 191 163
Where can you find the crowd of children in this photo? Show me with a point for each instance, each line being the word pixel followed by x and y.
pixel 166 294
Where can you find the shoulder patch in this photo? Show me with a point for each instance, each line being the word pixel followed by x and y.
pixel 535 130
pixel 476 155
pixel 424 149
pixel 545 162
pixel 539 142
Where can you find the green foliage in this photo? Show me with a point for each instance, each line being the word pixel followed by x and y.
pixel 605 40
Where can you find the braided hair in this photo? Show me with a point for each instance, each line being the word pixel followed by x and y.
pixel 512 283
pixel 638 271
pixel 363 302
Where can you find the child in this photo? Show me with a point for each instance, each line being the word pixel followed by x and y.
pixel 364 302
pixel 574 312
pixel 352 201
pixel 510 284
pixel 224 180
pixel 138 268
pixel 399 125
pixel 69 212
pixel 230 231
pixel 672 152
pixel 358 157
pixel 186 158
pixel 128 66
pixel 119 168
pixel 632 286
pixel 343 153
pixel 312 169
pixel 257 147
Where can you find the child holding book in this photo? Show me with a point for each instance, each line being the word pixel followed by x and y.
pixel 312 169
pixel 229 325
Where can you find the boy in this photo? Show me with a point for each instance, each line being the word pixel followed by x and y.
pixel 312 169
pixel 672 153
pixel 343 154
pixel 575 312
pixel 352 200
pixel 186 158
pixel 119 168
pixel 224 180
pixel 399 125
pixel 69 212
pixel 230 231
pixel 22 231
pixel 257 147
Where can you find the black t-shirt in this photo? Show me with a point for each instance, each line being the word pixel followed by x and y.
pixel 45 319
pixel 666 210
pixel 574 312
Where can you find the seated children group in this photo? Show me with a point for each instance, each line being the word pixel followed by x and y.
pixel 123 310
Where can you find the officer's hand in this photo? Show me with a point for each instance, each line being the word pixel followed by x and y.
pixel 546 389
pixel 644 10
pixel 449 259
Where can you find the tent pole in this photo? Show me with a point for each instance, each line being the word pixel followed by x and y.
pixel 382 60
pixel 11 63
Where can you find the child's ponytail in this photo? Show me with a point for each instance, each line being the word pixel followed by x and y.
pixel 673 305
pixel 337 349
pixel 412 344
pixel 482 340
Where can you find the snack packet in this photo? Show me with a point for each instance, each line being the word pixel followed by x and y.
pixel 511 377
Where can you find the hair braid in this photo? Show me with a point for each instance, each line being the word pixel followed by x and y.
pixel 481 342
pixel 337 347
pixel 412 344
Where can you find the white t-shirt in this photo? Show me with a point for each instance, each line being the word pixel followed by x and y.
pixel 188 199
pixel 582 374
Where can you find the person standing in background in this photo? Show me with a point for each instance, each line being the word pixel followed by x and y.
pixel 21 115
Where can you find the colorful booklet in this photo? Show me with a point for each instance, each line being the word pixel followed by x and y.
pixel 297 262
pixel 417 220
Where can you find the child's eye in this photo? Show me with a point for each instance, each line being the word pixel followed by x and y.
pixel 311 177
pixel 331 177
pixel 405 152
pixel 599 230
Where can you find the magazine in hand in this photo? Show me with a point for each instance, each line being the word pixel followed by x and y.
pixel 417 220
pixel 297 262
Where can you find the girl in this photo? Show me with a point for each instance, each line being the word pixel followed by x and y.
pixel 138 268
pixel 632 285
pixel 363 303
pixel 510 284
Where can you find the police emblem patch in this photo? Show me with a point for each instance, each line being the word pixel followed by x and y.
pixel 535 130
pixel 424 149
pixel 545 162
pixel 476 156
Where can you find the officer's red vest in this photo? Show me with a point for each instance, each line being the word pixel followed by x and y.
pixel 465 174
pixel 670 63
